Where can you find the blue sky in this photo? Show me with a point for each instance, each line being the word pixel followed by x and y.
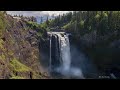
pixel 37 13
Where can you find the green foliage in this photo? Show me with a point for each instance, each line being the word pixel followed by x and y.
pixel 39 34
pixel 67 26
pixel 33 25
pixel 17 77
pixel 97 16
pixel 86 21
pixel 40 28
pixel 43 25
pixel 1 43
pixel 10 53
pixel 81 23
pixel 48 29
pixel 2 23
pixel 18 67
pixel 2 57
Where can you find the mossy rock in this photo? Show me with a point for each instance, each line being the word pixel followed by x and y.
pixel 10 53
pixel 19 67
pixel 2 23
pixel 1 43
pixel 2 57
pixel 17 77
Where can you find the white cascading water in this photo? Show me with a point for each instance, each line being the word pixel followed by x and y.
pixel 50 54
pixel 65 54
pixel 65 57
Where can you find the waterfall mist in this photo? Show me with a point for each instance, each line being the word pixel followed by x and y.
pixel 81 61
pixel 65 68
pixel 67 60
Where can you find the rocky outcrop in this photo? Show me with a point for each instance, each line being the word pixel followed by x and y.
pixel 19 51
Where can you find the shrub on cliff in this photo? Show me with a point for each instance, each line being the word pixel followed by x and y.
pixel 2 23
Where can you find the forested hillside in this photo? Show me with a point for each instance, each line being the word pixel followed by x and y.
pixel 97 33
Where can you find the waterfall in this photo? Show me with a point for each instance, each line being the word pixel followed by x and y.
pixel 61 54
pixel 50 54
pixel 64 52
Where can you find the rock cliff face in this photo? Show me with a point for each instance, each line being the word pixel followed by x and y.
pixel 19 51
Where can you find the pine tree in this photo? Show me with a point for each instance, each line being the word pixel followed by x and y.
pixel 41 19
pixel 47 21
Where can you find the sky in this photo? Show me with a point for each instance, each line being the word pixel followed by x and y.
pixel 37 13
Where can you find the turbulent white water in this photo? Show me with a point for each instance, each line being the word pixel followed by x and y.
pixel 65 54
pixel 50 54
pixel 65 66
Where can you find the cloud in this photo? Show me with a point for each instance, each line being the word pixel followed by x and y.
pixel 36 13
pixel 55 12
